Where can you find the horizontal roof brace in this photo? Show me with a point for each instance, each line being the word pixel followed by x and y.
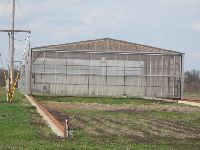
pixel 29 31
pixel 104 52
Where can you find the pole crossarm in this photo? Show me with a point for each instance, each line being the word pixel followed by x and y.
pixel 28 31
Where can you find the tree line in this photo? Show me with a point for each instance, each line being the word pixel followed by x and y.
pixel 2 80
pixel 192 81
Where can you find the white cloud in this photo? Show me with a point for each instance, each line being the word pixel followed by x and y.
pixel 196 26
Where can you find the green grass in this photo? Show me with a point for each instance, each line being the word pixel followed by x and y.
pixel 22 128
pixel 192 95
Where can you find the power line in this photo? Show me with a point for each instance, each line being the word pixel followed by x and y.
pixel 26 22
pixel 5 9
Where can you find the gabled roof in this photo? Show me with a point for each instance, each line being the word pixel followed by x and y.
pixel 106 44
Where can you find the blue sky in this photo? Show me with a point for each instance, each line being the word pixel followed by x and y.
pixel 169 24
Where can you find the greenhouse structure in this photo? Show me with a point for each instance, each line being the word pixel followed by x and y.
pixel 103 67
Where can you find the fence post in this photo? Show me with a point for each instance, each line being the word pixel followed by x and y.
pixel 66 134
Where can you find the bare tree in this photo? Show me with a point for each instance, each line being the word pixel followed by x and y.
pixel 2 79
pixel 192 81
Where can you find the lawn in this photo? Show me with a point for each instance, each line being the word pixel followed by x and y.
pixel 100 123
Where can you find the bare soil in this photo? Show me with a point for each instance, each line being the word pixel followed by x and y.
pixel 124 107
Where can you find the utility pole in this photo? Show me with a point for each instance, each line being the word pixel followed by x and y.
pixel 11 34
pixel 12 50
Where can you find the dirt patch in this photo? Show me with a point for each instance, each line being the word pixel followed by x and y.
pixel 115 121
pixel 177 125
pixel 58 115
pixel 82 118
pixel 99 125
pixel 142 129
pixel 171 129
pixel 133 133
pixel 123 107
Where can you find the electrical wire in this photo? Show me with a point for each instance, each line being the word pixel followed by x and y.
pixel 5 9
pixel 26 22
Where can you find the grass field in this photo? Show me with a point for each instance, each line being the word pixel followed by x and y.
pixel 192 95
pixel 100 123
pixel 126 123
